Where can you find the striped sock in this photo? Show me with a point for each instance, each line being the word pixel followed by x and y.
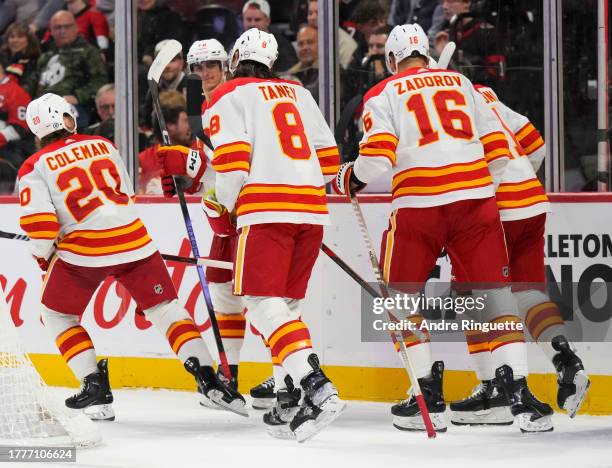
pixel 232 328
pixel 78 351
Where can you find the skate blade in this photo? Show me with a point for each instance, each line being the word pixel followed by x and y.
pixel 100 412
pixel 263 403
pixel 208 403
pixel 574 402
pixel 331 409
pixel 527 426
pixel 235 406
pixel 500 416
pixel 282 431
pixel 415 423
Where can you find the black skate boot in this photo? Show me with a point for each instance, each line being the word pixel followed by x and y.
pixel 214 389
pixel 572 380
pixel 233 384
pixel 321 405
pixel 95 396
pixel 263 394
pixel 487 405
pixel 406 414
pixel 286 406
pixel 531 414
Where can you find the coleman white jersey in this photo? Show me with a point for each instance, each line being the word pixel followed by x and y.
pixel 520 194
pixel 273 154
pixel 75 194
pixel 434 130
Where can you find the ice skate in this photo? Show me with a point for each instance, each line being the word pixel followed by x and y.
pixel 321 405
pixel 214 389
pixel 233 384
pixel 487 405
pixel 531 414
pixel 406 414
pixel 572 381
pixel 263 394
pixel 284 410
pixel 95 396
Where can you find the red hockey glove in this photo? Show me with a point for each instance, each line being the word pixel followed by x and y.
pixel 219 218
pixel 346 181
pixel 179 160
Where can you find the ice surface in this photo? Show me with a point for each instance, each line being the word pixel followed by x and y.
pixel 169 429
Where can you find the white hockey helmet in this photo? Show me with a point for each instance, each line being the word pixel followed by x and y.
pixel 255 45
pixel 406 40
pixel 45 115
pixel 209 50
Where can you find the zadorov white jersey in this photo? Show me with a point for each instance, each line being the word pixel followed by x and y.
pixel 274 152
pixel 520 194
pixel 75 193
pixel 437 134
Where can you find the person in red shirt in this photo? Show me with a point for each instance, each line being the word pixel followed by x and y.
pixel 15 139
pixel 173 107
pixel 91 23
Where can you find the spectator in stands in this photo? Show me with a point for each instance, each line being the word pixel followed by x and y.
pixel 346 44
pixel 367 16
pixel 256 14
pixel 307 68
pixel 411 11
pixel 174 111
pixel 173 78
pixel 20 52
pixel 71 68
pixel 92 24
pixel 16 142
pixel 442 17
pixel 479 54
pixel 105 107
pixel 156 23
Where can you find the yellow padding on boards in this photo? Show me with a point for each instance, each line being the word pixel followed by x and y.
pixel 354 383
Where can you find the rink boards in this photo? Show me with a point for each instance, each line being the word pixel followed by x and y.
pixel 578 233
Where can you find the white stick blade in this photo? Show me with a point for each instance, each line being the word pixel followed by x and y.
pixel 170 50
pixel 447 54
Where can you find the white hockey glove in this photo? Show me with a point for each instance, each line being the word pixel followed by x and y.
pixel 346 181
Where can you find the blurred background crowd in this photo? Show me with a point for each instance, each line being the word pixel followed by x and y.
pixel 67 47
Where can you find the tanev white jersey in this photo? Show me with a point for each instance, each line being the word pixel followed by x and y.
pixel 273 151
pixel 437 134
pixel 75 193
pixel 520 194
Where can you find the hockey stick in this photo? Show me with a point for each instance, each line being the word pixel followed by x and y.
pixel 170 50
pixel 203 261
pixel 194 107
pixel 348 270
pixel 395 335
pixel 447 54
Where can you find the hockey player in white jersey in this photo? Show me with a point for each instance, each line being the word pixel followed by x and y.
pixel 273 155
pixel 523 205
pixel 447 152
pixel 77 206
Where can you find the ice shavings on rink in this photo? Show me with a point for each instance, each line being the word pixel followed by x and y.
pixel 169 429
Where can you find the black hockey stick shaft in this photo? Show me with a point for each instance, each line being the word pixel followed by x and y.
pixel 349 271
pixel 191 235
